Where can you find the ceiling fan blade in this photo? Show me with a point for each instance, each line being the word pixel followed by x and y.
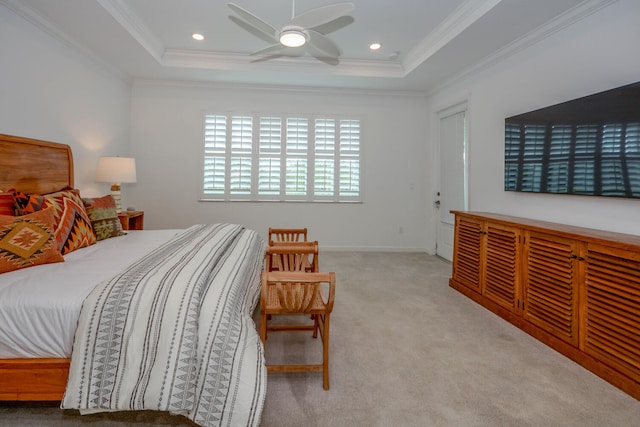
pixel 267 58
pixel 253 30
pixel 288 52
pixel 254 21
pixel 323 44
pixel 335 25
pixel 321 15
pixel 276 48
pixel 328 61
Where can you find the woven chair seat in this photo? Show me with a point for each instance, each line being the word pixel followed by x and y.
pixel 296 298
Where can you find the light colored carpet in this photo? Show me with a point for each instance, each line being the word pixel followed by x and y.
pixel 407 350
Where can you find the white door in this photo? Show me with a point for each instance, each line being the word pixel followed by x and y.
pixel 452 188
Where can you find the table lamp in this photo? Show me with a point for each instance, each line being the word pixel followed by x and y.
pixel 116 170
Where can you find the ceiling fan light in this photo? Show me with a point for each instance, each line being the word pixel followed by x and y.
pixel 293 38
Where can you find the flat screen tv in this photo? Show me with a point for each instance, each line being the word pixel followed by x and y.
pixel 587 146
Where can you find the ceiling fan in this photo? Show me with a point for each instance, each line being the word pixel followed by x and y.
pixel 300 31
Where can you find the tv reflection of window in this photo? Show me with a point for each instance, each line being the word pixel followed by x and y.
pixel 574 159
pixel 588 146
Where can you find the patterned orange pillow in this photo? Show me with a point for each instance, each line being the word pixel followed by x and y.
pixel 104 219
pixel 27 240
pixel 7 204
pixel 73 226
pixel 27 203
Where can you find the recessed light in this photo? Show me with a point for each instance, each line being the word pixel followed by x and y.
pixel 197 36
pixel 375 46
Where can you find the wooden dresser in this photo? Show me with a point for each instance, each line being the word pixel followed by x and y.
pixel 575 289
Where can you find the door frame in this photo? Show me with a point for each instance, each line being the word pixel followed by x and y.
pixel 455 108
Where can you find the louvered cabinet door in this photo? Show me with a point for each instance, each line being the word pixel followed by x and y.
pixel 468 252
pixel 501 272
pixel 551 289
pixel 612 308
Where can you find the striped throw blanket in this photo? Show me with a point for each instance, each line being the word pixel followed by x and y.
pixel 174 332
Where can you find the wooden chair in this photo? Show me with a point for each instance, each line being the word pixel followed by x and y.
pixel 287 235
pixel 293 256
pixel 288 293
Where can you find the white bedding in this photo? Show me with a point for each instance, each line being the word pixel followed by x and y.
pixel 173 332
pixel 39 306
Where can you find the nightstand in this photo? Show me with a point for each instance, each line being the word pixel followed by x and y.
pixel 132 220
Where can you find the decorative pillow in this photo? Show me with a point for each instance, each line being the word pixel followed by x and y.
pixel 27 203
pixel 28 240
pixel 103 216
pixel 73 226
pixel 7 204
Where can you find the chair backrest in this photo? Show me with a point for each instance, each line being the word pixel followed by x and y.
pixel 287 235
pixel 298 292
pixel 292 256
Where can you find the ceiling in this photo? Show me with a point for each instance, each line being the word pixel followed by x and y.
pixel 425 43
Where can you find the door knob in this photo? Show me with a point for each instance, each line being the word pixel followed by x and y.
pixel 437 203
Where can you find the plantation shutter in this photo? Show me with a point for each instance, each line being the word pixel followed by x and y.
pixel 325 151
pixel 240 159
pixel 296 163
pixel 284 158
pixel 269 169
pixel 215 137
pixel 349 158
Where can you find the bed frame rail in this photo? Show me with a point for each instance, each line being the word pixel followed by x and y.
pixel 33 379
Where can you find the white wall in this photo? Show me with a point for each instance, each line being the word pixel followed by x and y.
pixel 167 143
pixel 598 53
pixel 50 91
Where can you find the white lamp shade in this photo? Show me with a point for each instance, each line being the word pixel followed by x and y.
pixel 116 169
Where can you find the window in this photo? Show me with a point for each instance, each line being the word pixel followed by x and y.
pixel 281 158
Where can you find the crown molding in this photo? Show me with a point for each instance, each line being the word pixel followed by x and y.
pixel 279 89
pixel 135 26
pixel 560 22
pixel 303 64
pixel 41 23
pixel 461 19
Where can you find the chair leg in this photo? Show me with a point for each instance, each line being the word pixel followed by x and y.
pixel 316 325
pixel 325 351
pixel 263 327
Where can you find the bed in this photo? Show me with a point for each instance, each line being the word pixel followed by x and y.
pixel 205 361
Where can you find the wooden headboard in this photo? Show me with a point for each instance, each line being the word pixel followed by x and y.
pixel 34 166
